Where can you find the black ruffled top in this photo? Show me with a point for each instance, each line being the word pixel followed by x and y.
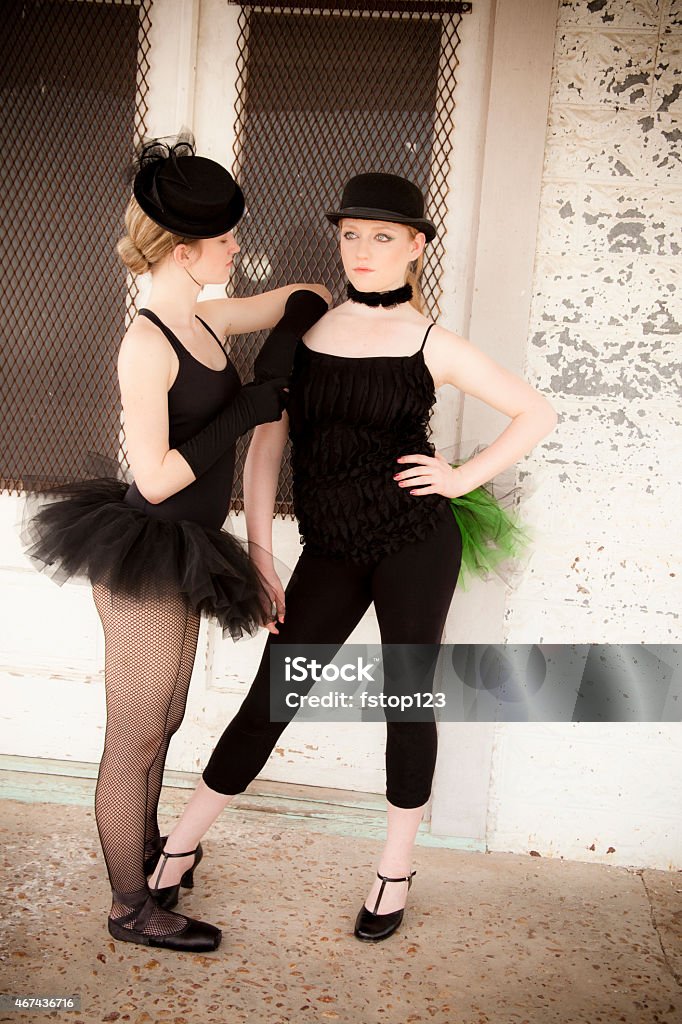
pixel 350 419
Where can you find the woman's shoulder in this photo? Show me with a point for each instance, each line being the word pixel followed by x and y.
pixel 444 339
pixel 144 347
pixel 453 359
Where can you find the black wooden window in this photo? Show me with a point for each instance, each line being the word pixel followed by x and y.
pixel 325 92
pixel 72 89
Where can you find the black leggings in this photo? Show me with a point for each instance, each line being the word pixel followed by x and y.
pixel 326 598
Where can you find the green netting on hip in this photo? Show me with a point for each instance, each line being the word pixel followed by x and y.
pixel 490 533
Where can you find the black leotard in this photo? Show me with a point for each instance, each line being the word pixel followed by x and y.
pixel 198 393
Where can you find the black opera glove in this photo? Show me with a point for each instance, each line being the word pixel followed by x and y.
pixel 303 309
pixel 254 404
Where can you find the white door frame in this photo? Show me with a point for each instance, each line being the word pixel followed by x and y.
pixel 515 80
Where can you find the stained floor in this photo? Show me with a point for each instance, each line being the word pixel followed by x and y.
pixel 486 939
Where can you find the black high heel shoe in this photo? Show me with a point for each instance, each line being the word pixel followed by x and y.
pixel 192 937
pixel 373 927
pixel 168 896
pixel 152 852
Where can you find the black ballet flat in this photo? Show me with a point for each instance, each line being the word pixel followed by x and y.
pixel 167 897
pixel 373 927
pixel 193 937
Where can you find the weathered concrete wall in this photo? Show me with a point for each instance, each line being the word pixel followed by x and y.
pixel 604 340
pixel 604 344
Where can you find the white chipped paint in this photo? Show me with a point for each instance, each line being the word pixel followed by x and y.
pixel 604 335
pixel 604 345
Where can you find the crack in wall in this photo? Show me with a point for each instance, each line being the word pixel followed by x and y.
pixel 654 924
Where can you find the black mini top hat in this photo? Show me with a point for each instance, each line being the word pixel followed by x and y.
pixel 378 196
pixel 187 194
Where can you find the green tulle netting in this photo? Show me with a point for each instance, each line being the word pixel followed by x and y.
pixel 491 535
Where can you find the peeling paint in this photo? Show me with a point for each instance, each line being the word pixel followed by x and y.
pixel 670 98
pixel 630 80
pixel 628 237
pixel 605 325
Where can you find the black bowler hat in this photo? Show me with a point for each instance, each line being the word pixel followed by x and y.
pixel 378 196
pixel 187 194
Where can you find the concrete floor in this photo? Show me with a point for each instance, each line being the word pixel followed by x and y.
pixel 486 939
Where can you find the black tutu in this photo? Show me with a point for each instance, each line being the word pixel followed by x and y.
pixel 86 530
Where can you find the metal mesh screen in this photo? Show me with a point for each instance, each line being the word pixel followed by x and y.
pixel 326 92
pixel 73 84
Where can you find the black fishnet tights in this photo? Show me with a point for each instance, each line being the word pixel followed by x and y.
pixel 149 649
pixel 152 835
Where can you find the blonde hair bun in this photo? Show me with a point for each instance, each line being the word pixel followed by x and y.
pixel 146 242
pixel 131 256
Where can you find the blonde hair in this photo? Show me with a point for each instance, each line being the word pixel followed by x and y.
pixel 145 242
pixel 414 274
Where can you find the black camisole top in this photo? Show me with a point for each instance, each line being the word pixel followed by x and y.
pixel 350 419
pixel 197 394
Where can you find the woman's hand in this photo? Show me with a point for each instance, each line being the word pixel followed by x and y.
pixel 278 608
pixel 431 475
pixel 274 588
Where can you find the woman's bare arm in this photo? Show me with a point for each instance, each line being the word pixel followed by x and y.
pixel 454 360
pixel 144 373
pixel 255 313
pixel 261 474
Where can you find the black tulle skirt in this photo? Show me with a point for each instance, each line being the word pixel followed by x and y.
pixel 85 530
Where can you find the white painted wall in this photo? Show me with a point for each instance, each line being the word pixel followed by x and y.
pixel 503 99
pixel 604 335
pixel 603 342
pixel 608 794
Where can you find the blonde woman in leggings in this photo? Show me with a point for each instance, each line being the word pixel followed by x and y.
pixel 375 511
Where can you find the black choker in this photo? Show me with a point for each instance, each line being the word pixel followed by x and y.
pixel 388 299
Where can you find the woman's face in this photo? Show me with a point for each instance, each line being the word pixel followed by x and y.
pixel 376 253
pixel 210 259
